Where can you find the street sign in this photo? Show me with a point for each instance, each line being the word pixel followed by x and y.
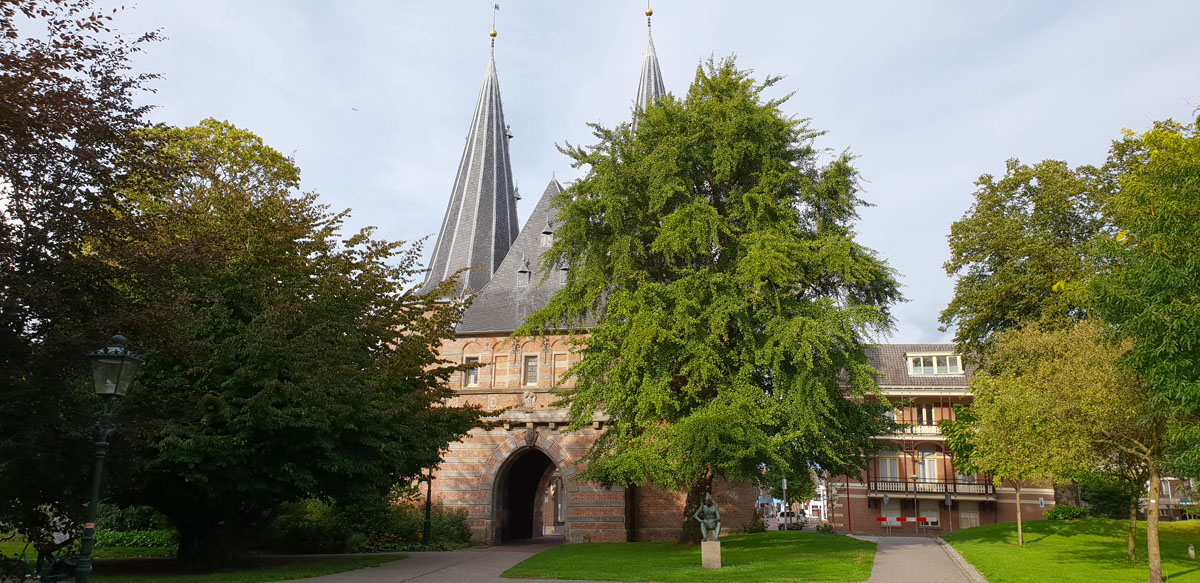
pixel 785 483
pixel 948 503
pixel 1041 502
pixel 885 498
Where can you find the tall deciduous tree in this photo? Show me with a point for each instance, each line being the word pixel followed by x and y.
pixel 1149 292
pixel 1026 232
pixel 716 257
pixel 67 109
pixel 284 362
pixel 1058 402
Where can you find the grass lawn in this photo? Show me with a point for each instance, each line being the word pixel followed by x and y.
pixel 257 571
pixel 12 548
pixel 1086 551
pixel 764 558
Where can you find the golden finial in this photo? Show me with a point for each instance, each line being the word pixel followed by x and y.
pixel 649 12
pixel 493 33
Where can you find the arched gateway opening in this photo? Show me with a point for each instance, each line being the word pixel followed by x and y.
pixel 528 502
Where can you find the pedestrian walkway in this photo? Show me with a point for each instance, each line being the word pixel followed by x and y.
pixel 476 566
pixel 913 559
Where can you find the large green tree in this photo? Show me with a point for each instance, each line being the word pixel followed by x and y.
pixel 1026 232
pixel 1149 291
pixel 1057 402
pixel 284 361
pixel 711 251
pixel 68 107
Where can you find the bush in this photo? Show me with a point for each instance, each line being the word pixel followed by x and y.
pixel 314 526
pixel 1066 512
pixel 136 538
pixel 756 525
pixel 825 527
pixel 113 517
pixel 1107 500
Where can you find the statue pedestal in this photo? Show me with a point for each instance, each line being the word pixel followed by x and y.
pixel 710 554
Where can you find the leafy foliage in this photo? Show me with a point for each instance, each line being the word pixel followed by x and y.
pixel 136 538
pixel 1149 291
pixel 283 362
pixel 1026 233
pixel 68 109
pixel 730 301
pixel 1066 512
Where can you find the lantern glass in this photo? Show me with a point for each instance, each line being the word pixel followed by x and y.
pixel 114 368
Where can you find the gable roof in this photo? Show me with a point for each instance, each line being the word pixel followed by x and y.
pixel 892 362
pixel 517 289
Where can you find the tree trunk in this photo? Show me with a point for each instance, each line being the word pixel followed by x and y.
pixel 1152 550
pixel 1133 506
pixel 1020 526
pixel 695 497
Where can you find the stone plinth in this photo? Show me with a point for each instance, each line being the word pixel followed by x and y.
pixel 710 554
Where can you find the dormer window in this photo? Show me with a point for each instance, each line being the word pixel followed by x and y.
pixel 524 274
pixel 934 364
pixel 547 236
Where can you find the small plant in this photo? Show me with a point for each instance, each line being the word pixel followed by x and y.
pixel 1067 512
pixel 754 526
pixel 825 527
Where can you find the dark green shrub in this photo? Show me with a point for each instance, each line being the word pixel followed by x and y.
pixel 1066 512
pixel 136 538
pixel 314 526
pixel 1107 500
pixel 310 526
pixel 113 517
pixel 754 526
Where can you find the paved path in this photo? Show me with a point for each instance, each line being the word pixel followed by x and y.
pixel 899 559
pixel 474 566
pixel 911 559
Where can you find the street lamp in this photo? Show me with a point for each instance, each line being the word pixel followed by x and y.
pixel 428 530
pixel 113 370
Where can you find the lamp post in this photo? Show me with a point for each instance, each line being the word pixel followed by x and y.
pixel 428 531
pixel 113 370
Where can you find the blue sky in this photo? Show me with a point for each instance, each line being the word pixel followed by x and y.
pixel 373 98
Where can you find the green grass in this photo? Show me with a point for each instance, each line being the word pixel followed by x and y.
pixel 764 557
pixel 258 571
pixel 1086 551
pixel 12 548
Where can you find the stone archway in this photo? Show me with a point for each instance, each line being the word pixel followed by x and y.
pixel 518 495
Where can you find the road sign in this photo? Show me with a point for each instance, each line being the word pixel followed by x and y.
pixel 885 498
pixel 1041 502
pixel 948 502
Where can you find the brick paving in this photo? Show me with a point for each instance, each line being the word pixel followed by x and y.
pixel 911 559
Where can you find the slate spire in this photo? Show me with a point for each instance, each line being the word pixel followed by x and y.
pixel 481 218
pixel 650 85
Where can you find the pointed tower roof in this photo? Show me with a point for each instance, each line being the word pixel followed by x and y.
pixel 518 288
pixel 650 85
pixel 481 219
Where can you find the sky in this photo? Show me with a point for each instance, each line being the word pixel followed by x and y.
pixel 373 98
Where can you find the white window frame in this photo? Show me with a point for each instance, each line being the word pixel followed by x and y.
pixel 471 375
pixel 932 515
pixel 890 511
pixel 930 363
pixel 927 465
pixel 892 464
pixel 525 376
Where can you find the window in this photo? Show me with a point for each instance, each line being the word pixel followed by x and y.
pixel 547 237
pixel 890 415
pixel 925 414
pixel 472 374
pixel 530 371
pixel 891 511
pixel 930 510
pixel 889 468
pixel 935 364
pixel 1166 488
pixel 926 465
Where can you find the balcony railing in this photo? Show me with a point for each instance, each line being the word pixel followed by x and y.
pixel 930 487
pixel 914 429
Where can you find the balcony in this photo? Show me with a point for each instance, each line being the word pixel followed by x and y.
pixel 931 487
pixel 914 429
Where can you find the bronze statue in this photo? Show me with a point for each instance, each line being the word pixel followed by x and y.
pixel 710 518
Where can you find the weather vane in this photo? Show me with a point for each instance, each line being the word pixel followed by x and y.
pixel 495 9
